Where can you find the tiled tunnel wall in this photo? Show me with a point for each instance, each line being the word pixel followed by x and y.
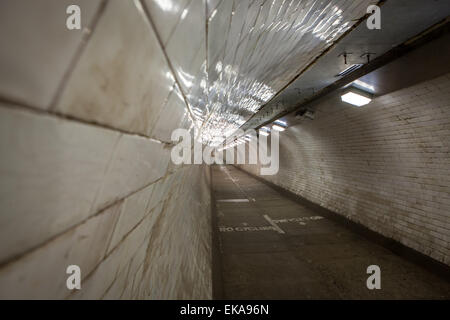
pixel 85 124
pixel 384 165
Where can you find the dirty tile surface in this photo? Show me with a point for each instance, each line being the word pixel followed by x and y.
pixel 37 48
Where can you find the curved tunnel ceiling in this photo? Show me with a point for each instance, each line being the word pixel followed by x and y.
pixel 251 50
pixel 237 62
pixel 401 20
pixel 256 47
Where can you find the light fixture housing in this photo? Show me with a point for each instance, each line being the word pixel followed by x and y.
pixel 265 131
pixel 281 123
pixel 364 86
pixel 356 97
pixel 278 128
pixel 349 69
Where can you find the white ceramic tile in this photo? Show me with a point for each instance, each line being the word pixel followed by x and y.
pixel 170 117
pixel 212 5
pixel 218 28
pixel 239 16
pixel 41 274
pixel 119 259
pixel 136 163
pixel 133 211
pixel 51 170
pixel 198 92
pixel 185 42
pixel 166 14
pixel 247 40
pixel 122 78
pixel 37 48
pixel 117 288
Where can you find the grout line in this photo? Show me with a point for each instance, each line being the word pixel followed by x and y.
pixel 14 105
pixel 221 50
pixel 51 110
pixel 14 258
pixel 206 65
pixel 106 170
pixel 169 63
pixel 215 8
pixel 123 239
pixel 78 53
pixel 178 21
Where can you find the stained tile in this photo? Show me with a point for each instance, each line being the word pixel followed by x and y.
pixel 166 14
pixel 51 171
pixel 37 48
pixel 185 42
pixel 135 164
pixel 133 211
pixel 122 78
pixel 171 116
pixel 42 273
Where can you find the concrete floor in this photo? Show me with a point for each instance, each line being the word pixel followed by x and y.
pixel 271 248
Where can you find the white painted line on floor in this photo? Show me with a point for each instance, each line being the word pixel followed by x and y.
pixel 233 200
pixel 277 228
pixel 246 229
pixel 299 219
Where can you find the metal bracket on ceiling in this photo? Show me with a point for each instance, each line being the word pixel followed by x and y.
pixel 345 54
pixel 367 54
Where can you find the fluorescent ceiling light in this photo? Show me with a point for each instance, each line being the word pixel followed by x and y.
pixel 280 122
pixel 355 99
pixel 350 69
pixel 278 128
pixel 263 132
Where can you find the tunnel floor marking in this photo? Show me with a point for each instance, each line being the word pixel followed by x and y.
pixel 248 229
pixel 277 228
pixel 299 219
pixel 273 224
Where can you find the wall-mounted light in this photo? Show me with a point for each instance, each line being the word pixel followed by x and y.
pixel 363 86
pixel 356 97
pixel 264 131
pixel 278 128
pixel 279 125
